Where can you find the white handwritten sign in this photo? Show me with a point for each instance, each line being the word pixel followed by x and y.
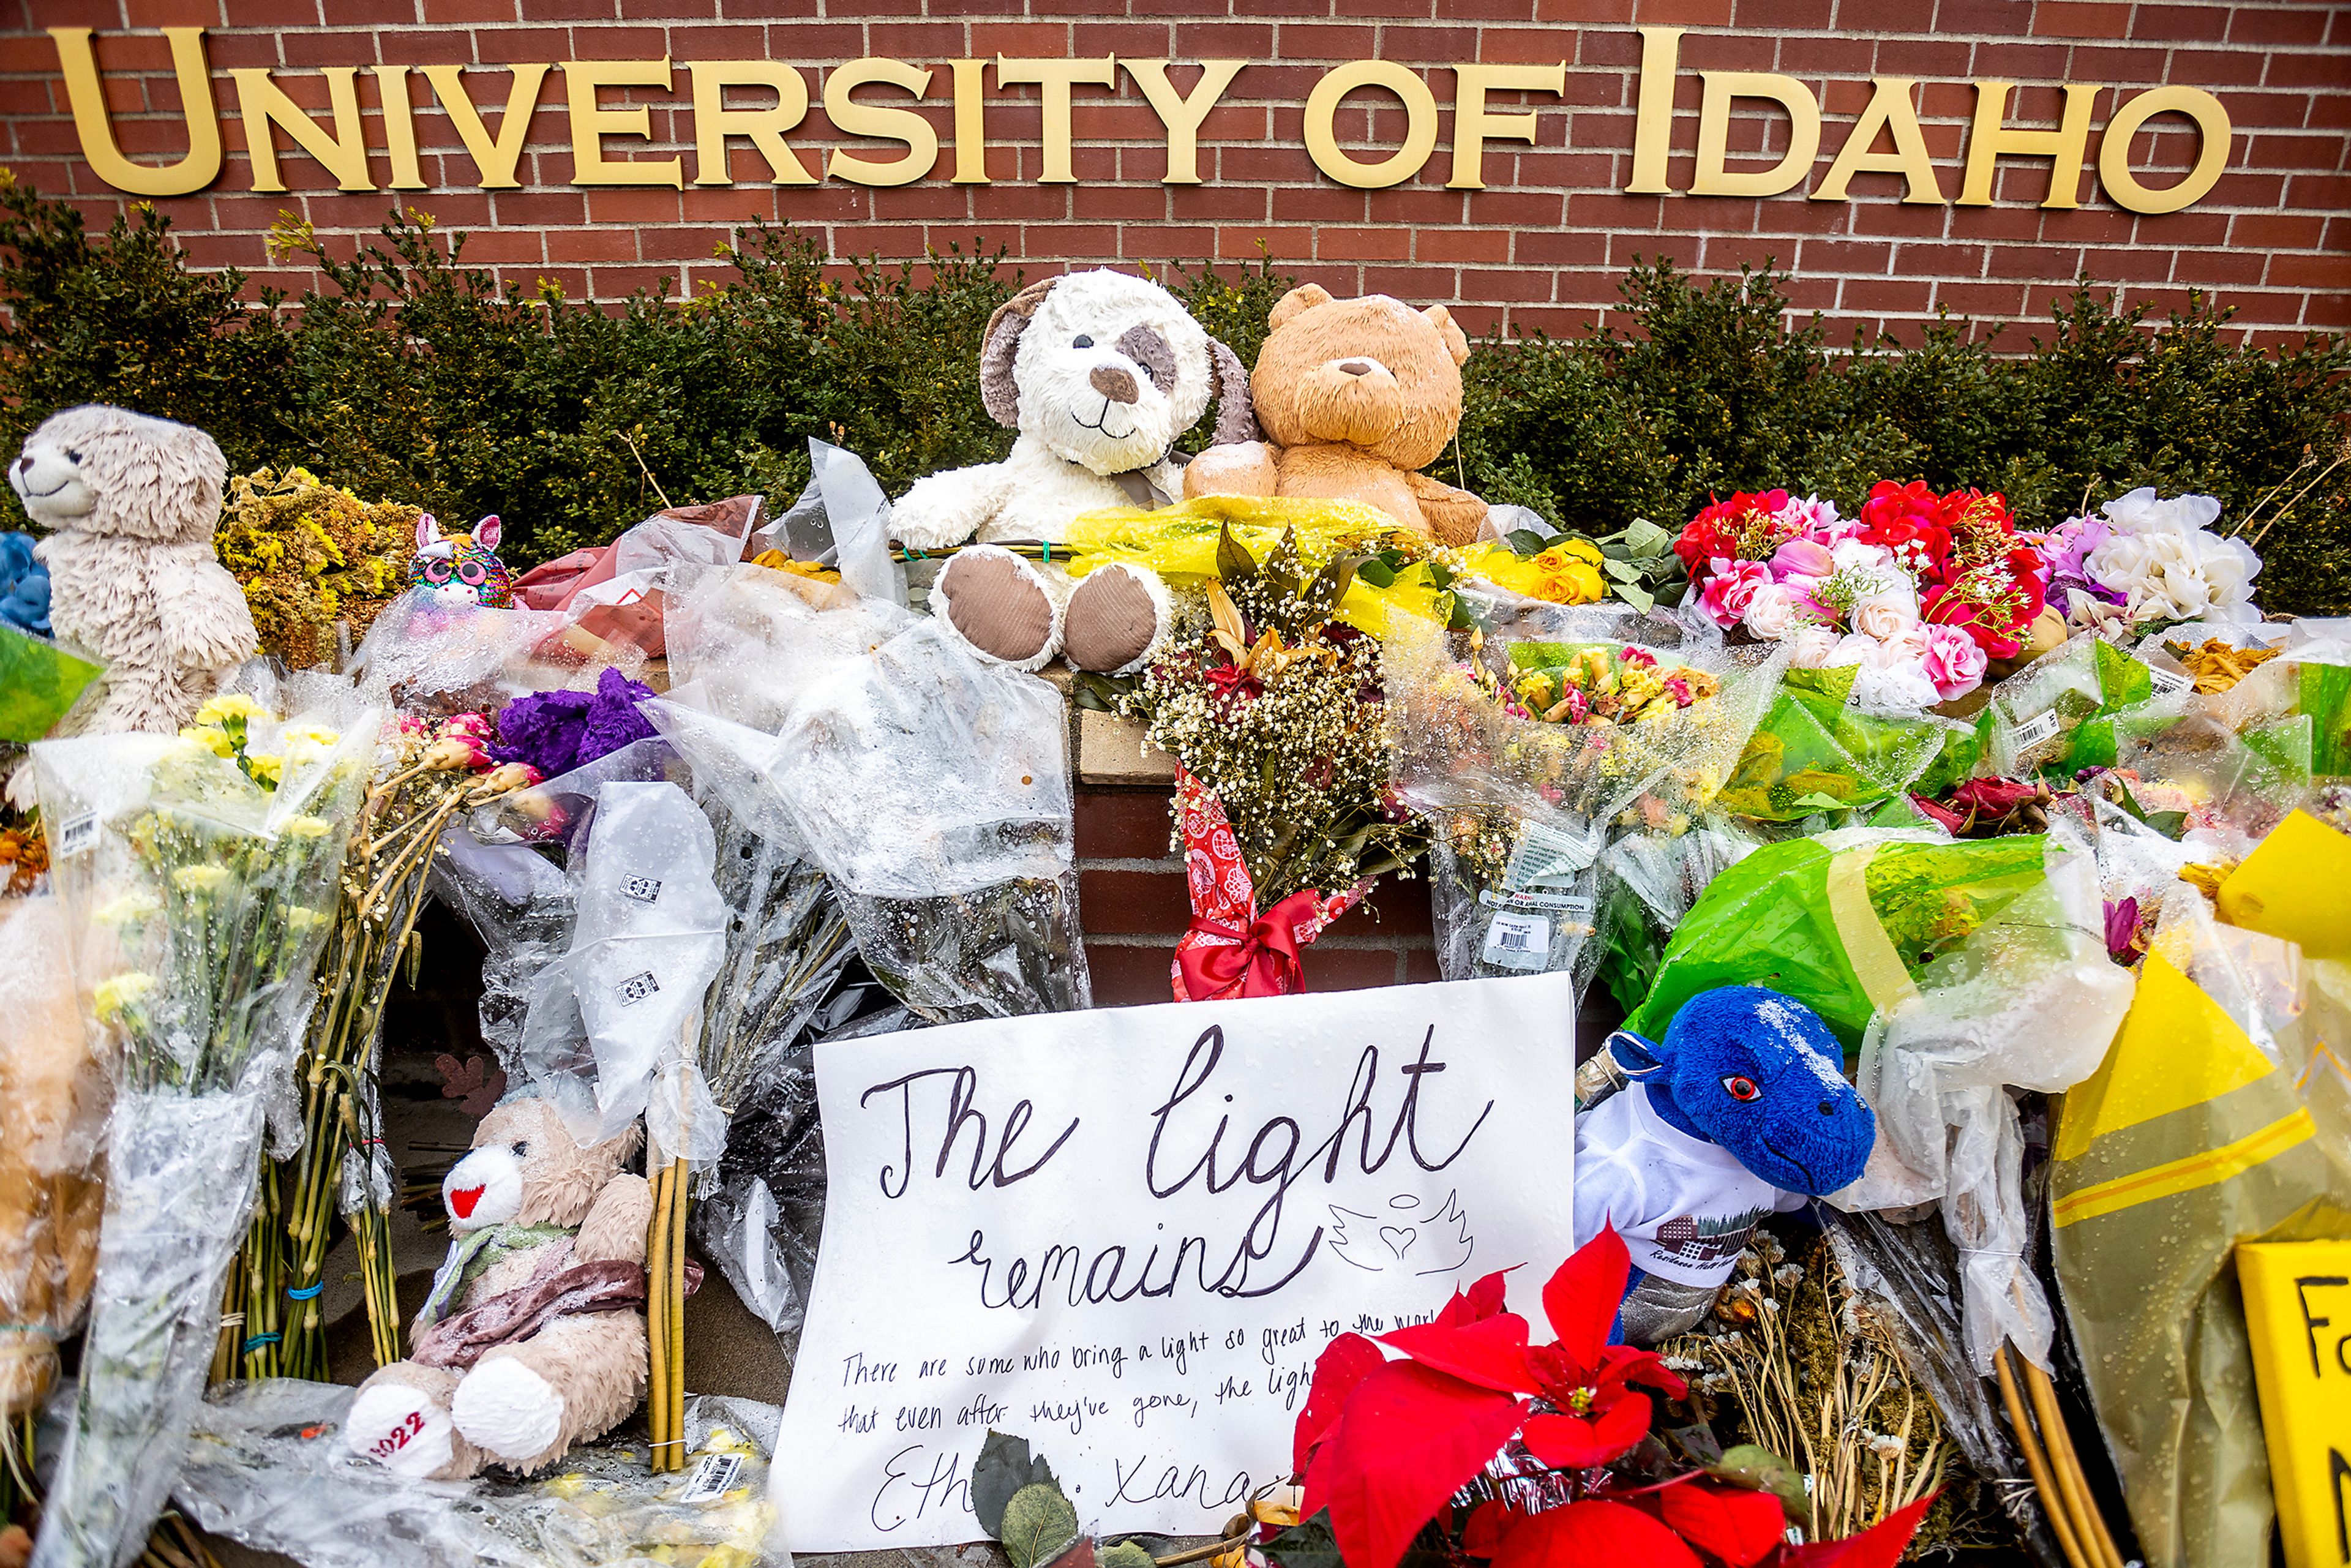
pixel 1126 1234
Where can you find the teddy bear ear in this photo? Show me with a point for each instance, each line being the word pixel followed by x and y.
pixel 487 532
pixel 428 532
pixel 1456 342
pixel 998 345
pixel 1303 298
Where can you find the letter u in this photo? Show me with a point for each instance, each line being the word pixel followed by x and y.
pixel 78 61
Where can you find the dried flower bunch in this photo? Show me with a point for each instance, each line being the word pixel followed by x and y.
pixel 309 555
pixel 2217 666
pixel 1602 684
pixel 1279 708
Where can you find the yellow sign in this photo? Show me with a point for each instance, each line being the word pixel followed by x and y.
pixel 2298 1310
pixel 603 135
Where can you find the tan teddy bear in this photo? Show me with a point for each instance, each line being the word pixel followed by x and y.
pixel 1354 395
pixel 533 1338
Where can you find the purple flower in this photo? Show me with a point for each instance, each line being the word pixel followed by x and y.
pixel 2122 930
pixel 556 732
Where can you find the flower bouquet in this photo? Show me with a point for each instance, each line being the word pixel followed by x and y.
pixel 1527 736
pixel 1275 713
pixel 2140 562
pixel 1537 1456
pixel 199 872
pixel 430 773
pixel 1919 593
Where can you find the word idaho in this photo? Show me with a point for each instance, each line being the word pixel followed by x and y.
pixel 1140 1237
pixel 599 133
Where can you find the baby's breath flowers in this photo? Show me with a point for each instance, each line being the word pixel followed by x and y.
pixel 1279 710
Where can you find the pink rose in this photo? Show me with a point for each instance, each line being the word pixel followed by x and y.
pixel 1730 588
pixel 1952 660
pixel 1886 616
pixel 1770 612
pixel 1810 645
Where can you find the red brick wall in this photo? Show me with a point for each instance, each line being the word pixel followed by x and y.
pixel 1132 899
pixel 1544 244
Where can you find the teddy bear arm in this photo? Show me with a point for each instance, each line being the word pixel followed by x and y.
pixel 1243 469
pixel 616 1227
pixel 948 507
pixel 583 1374
pixel 1453 515
pixel 206 622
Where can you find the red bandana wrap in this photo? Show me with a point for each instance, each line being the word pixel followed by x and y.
pixel 1230 950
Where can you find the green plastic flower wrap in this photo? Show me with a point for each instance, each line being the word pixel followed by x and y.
pixel 39 680
pixel 1813 753
pixel 1829 920
pixel 2056 716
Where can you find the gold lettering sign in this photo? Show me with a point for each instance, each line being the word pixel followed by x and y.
pixel 764 102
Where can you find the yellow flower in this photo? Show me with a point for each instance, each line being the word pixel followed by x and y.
pixel 130 909
pixel 267 766
pixel 199 879
pixel 309 827
pixel 115 997
pixel 212 740
pixel 228 705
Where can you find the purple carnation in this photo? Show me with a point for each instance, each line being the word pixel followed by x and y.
pixel 556 732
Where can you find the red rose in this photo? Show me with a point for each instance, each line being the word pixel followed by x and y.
pixel 1909 520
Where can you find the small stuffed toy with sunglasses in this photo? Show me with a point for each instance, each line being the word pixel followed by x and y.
pixel 462 571
pixel 1742 1111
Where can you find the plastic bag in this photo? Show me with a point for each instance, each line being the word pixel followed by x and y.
pixel 426 657
pixel 1814 752
pixel 2189 1137
pixel 645 944
pixel 1649 883
pixel 53 1092
pixel 269 1470
pixel 746 642
pixel 2055 715
pixel 1831 919
pixel 199 900
pixel 2029 1000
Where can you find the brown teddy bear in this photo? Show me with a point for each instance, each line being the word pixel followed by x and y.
pixel 532 1338
pixel 1354 395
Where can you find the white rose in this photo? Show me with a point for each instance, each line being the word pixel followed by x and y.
pixel 1810 645
pixel 2228 567
pixel 1899 685
pixel 1853 648
pixel 1886 616
pixel 1771 613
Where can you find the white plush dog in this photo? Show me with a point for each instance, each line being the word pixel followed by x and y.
pixel 131 503
pixel 1101 374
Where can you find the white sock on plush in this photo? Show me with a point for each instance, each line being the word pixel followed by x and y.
pixel 507 1408
pixel 401 1427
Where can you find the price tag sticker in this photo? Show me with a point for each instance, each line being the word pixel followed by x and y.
pixel 2036 729
pixel 643 889
pixel 637 987
pixel 715 1477
pixel 2169 682
pixel 1518 941
pixel 1546 854
pixel 76 835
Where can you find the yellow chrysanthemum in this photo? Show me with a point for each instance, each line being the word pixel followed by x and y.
pixel 114 997
pixel 309 827
pixel 228 705
pixel 199 879
pixel 130 909
pixel 212 740
pixel 268 766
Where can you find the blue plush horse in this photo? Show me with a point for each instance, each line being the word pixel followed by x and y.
pixel 1743 1110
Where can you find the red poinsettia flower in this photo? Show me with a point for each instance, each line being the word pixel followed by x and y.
pixel 1384 1444
pixel 1683 1524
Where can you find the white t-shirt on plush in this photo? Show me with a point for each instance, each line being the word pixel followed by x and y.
pixel 1684 1207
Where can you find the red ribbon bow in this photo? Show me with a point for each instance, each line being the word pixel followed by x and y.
pixel 1230 950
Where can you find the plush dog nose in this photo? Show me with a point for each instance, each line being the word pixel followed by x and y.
pixel 1114 383
pixel 1355 367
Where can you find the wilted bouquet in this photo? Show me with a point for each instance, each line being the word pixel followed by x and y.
pixel 199 872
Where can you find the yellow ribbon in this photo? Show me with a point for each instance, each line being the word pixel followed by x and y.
pixel 1885 979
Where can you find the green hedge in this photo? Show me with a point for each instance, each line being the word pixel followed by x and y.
pixel 409 376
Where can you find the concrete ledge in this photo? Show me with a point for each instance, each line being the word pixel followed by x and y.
pixel 1112 750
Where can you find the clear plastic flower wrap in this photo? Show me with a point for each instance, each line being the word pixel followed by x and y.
pixel 1814 752
pixel 199 874
pixel 54 1093
pixel 2026 1001
pixel 1523 801
pixel 269 1470
pixel 429 658
pixel 2055 715
pixel 1648 882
